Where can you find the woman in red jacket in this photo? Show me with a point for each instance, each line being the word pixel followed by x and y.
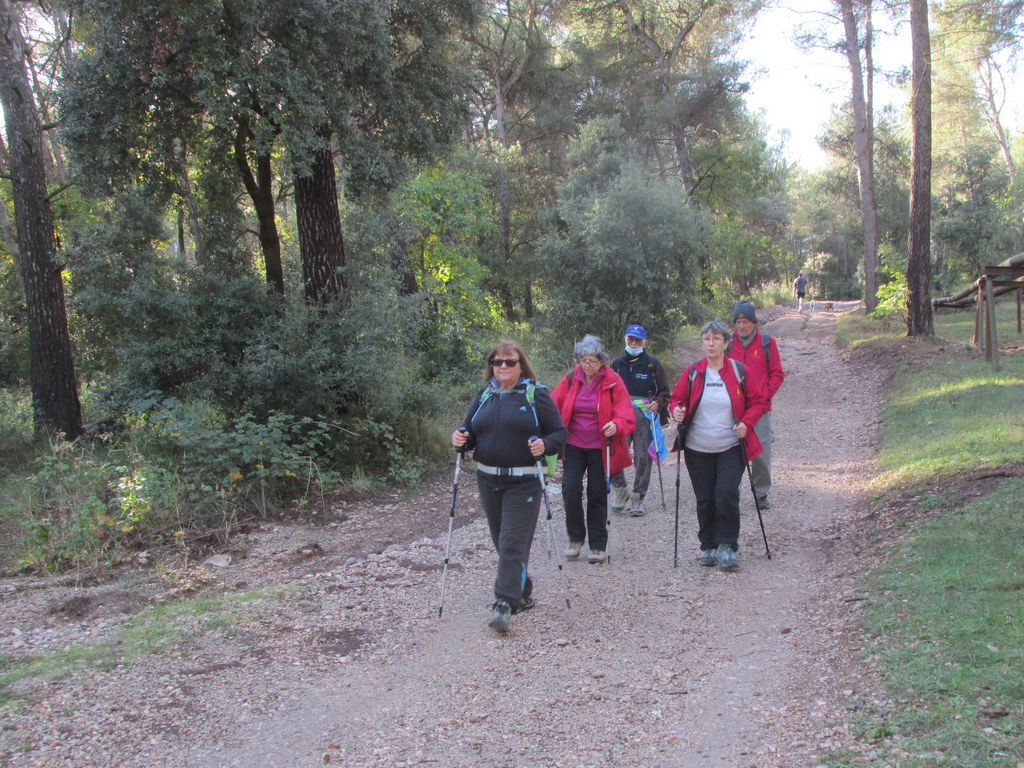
pixel 717 412
pixel 598 413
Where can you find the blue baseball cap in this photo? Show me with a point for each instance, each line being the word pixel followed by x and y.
pixel 636 331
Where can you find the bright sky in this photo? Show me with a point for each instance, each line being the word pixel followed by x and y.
pixel 797 89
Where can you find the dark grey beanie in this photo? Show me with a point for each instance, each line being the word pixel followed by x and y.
pixel 744 309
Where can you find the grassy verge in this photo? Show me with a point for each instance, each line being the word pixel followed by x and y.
pixel 948 602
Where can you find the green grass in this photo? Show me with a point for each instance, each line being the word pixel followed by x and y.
pixel 954 417
pixel 950 610
pixel 947 605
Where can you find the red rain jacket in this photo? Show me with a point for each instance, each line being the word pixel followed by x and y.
pixel 747 402
pixel 613 404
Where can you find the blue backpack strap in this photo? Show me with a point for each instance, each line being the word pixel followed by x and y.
pixel 484 394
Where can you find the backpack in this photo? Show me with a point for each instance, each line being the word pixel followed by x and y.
pixel 766 343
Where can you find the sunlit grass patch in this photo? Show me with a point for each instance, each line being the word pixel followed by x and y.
pixel 949 617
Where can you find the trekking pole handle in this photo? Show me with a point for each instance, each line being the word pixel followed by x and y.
pixel 460 448
pixel 530 439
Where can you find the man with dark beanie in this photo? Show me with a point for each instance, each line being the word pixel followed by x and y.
pixel 760 356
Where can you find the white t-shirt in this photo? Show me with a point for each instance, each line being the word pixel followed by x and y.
pixel 711 429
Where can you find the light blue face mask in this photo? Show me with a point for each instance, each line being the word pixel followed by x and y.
pixel 634 351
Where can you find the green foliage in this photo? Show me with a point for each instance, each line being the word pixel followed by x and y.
pixel 976 221
pixel 14 346
pixel 892 293
pixel 448 214
pixel 16 433
pixel 627 248
pixel 742 259
pixel 172 469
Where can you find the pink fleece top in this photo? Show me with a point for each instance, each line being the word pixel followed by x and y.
pixel 584 429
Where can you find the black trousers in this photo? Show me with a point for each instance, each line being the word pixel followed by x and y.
pixel 716 481
pixel 511 505
pixel 577 462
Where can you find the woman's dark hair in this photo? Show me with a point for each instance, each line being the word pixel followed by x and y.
pixel 509 349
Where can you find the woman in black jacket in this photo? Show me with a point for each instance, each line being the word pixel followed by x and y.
pixel 504 416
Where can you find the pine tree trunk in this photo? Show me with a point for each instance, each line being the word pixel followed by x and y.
pixel 320 237
pixel 54 388
pixel 863 139
pixel 919 274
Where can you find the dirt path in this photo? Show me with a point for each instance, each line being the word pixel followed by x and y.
pixel 348 663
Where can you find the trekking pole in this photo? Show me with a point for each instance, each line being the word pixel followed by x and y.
pixel 678 448
pixel 551 528
pixel 608 487
pixel 451 520
pixel 757 505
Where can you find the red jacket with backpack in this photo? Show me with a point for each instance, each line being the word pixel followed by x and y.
pixel 761 359
pixel 613 404
pixel 748 403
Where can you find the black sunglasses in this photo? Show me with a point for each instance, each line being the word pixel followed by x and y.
pixel 510 362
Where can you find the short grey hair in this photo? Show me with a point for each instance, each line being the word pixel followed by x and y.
pixel 715 326
pixel 591 345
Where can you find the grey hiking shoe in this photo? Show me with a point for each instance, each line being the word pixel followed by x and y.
pixel 618 499
pixel 762 502
pixel 636 505
pixel 708 557
pixel 728 558
pixel 500 618
pixel 573 550
pixel 596 556
pixel 526 602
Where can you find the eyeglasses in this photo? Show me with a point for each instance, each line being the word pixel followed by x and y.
pixel 589 363
pixel 510 362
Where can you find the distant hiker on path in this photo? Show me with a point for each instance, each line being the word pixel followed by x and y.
pixel 648 387
pixel 800 289
pixel 715 411
pixel 598 413
pixel 760 355
pixel 504 416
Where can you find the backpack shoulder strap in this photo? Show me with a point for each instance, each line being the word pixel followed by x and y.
pixel 741 373
pixel 766 342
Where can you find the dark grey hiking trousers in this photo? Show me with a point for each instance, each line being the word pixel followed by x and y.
pixel 511 505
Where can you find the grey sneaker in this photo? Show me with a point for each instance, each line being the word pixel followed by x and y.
pixel 596 556
pixel 618 499
pixel 573 550
pixel 762 502
pixel 636 506
pixel 708 557
pixel 728 558
pixel 500 618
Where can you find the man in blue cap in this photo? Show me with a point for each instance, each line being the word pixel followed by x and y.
pixel 648 387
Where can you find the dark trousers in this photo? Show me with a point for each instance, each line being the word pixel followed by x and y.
pixel 716 481
pixel 642 462
pixel 511 505
pixel 577 462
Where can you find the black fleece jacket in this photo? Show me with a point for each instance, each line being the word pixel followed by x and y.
pixel 501 424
